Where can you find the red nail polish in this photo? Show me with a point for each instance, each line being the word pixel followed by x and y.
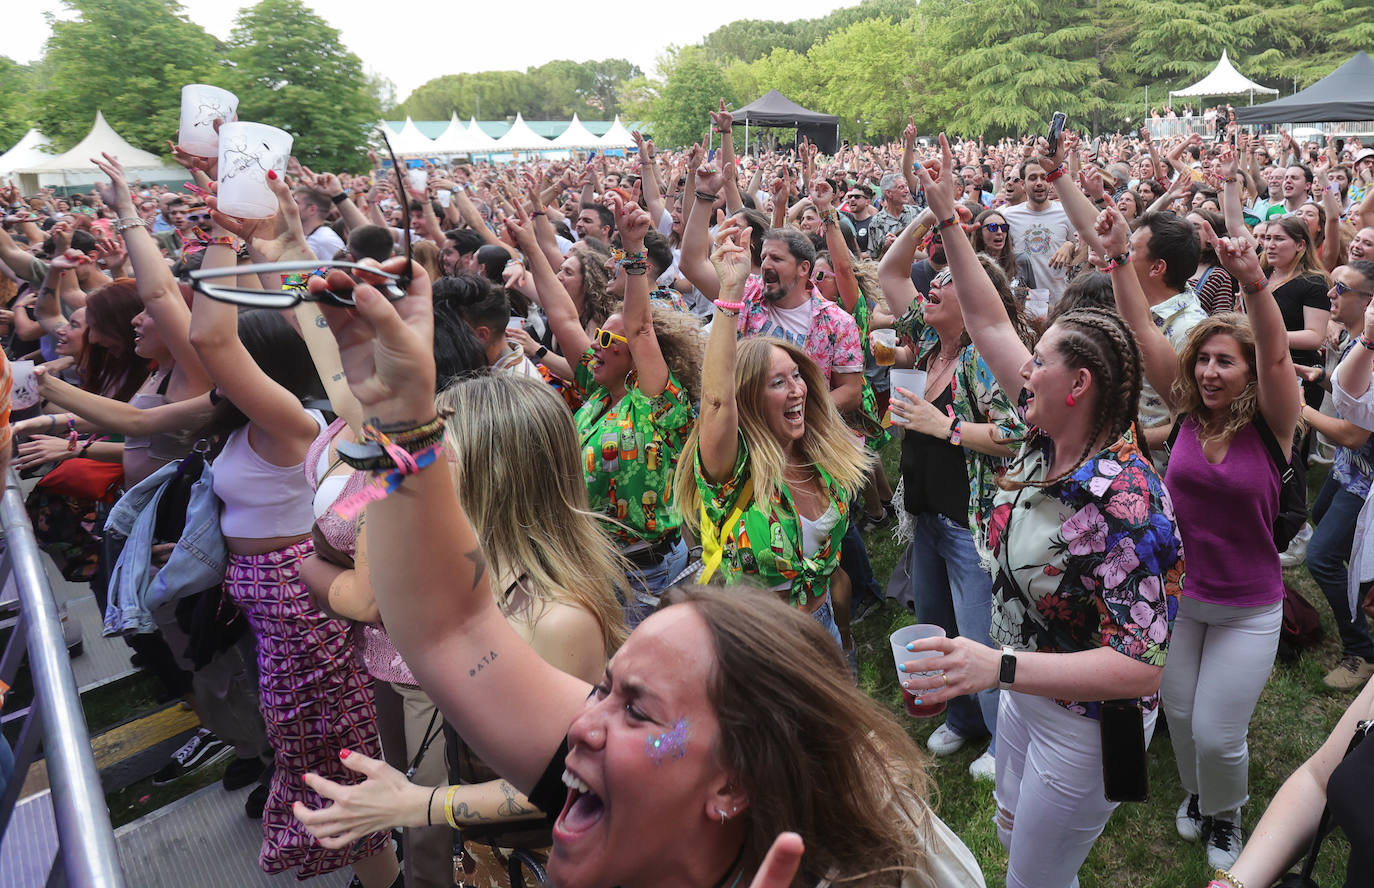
pixel 271 174
pixel 343 753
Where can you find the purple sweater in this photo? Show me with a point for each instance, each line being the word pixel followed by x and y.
pixel 1226 516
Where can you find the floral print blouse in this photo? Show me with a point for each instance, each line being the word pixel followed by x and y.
pixel 833 342
pixel 1094 560
pixel 629 451
pixel 977 398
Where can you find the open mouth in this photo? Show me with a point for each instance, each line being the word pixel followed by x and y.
pixel 795 413
pixel 770 277
pixel 582 810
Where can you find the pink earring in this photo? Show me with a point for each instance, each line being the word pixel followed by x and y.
pixel 1069 400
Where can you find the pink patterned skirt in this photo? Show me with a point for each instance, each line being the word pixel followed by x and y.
pixel 315 702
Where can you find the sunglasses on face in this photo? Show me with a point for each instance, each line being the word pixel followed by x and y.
pixel 605 338
pixel 944 279
pixel 1342 289
pixel 855 197
pixel 198 217
pixel 996 227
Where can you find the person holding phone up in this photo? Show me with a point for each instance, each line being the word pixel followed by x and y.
pixel 1088 563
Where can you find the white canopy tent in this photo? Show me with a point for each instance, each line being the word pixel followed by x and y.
pixel 576 136
pixel 1224 80
pixel 410 142
pixel 617 136
pixel 521 138
pixel 28 151
pixel 454 139
pixel 478 140
pixel 74 167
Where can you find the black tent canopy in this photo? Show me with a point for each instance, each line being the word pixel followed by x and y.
pixel 777 110
pixel 1347 93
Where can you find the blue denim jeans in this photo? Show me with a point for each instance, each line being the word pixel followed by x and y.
pixel 1328 557
pixel 646 586
pixel 825 615
pixel 951 590
pixel 854 562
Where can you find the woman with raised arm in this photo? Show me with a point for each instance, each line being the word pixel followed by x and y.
pixel 1233 385
pixel 699 745
pixel 1087 559
pixel 316 701
pixel 637 378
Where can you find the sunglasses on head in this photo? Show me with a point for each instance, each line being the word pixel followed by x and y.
pixel 1342 289
pixel 294 274
pixel 605 338
pixel 996 227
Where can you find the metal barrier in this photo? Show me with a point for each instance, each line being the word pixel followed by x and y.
pixel 86 855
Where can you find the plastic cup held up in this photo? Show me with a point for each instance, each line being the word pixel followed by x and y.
pixel 201 106
pixel 246 152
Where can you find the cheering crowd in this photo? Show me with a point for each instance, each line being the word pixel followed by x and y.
pixel 525 503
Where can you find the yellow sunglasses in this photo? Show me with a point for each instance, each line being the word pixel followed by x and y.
pixel 604 337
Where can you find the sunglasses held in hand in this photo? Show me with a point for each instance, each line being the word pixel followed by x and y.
pixel 392 286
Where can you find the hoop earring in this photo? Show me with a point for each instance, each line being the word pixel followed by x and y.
pixel 1069 400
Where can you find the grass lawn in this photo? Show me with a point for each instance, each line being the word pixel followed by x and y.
pixel 1140 846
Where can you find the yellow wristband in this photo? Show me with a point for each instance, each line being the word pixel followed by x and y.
pixel 448 806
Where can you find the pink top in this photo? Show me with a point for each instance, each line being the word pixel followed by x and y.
pixel 1226 518
pixel 379 655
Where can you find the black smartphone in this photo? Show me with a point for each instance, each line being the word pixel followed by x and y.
pixel 1056 130
pixel 1125 767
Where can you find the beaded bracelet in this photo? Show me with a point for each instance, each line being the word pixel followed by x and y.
pixel 1056 173
pixel 830 219
pixel 389 481
pixel 1226 880
pixel 1117 262
pixel 706 196
pixel 732 308
pixel 1256 287
pixel 631 257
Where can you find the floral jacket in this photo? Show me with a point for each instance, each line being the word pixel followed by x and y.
pixel 1094 560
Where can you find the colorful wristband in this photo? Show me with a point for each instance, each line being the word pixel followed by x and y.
pixel 1117 262
pixel 952 220
pixel 729 307
pixel 1256 287
pixel 1364 342
pixel 1056 173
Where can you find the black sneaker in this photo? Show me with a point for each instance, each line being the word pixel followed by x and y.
pixel 257 800
pixel 241 772
pixel 204 748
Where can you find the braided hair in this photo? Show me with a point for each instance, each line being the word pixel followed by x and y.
pixel 1099 341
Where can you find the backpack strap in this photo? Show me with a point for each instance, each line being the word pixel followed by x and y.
pixel 1271 444
pixel 1202 281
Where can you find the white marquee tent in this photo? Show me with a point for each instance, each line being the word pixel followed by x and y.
pixel 617 136
pixel 27 152
pixel 576 136
pixel 74 167
pixel 1224 80
pixel 410 142
pixel 478 140
pixel 521 138
pixel 454 139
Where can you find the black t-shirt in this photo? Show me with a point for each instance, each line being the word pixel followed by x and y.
pixel 860 230
pixel 935 473
pixel 549 793
pixel 1303 291
pixel 1346 793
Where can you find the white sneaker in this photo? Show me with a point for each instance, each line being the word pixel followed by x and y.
pixel 984 767
pixel 1296 553
pixel 1189 819
pixel 944 741
pixel 1223 844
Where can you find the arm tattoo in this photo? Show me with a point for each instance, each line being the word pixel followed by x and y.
pixel 511 807
pixel 464 814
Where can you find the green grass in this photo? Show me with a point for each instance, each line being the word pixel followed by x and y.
pixel 1139 848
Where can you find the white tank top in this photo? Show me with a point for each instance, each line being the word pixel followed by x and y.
pixel 261 500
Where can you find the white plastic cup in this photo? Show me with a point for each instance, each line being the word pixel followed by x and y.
pixel 901 656
pixel 24 385
pixel 201 105
pixel 1038 303
pixel 246 152
pixel 913 381
pixel 419 179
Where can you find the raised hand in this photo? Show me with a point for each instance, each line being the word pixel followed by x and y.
pixel 1113 232
pixel 69 260
pixel 711 178
pixel 722 120
pixel 730 258
pixel 937 181
pixel 111 251
pixel 1238 257
pixel 632 222
pixel 278 238
pixel 909 133
pixel 115 194
pixel 207 165
pixel 822 196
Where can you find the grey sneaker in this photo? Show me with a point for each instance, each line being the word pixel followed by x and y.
pixel 1223 844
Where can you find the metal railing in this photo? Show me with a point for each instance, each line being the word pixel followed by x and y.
pixel 86 853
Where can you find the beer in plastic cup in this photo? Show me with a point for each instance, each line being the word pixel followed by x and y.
pixel 900 655
pixel 884 344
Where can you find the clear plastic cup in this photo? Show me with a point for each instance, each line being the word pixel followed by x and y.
pixel 201 105
pixel 419 179
pixel 1038 303
pixel 24 388
pixel 884 345
pixel 900 655
pixel 913 381
pixel 246 152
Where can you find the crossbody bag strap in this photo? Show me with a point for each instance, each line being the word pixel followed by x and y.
pixel 713 538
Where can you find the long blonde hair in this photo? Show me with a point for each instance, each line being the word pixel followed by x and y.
pixel 519 477
pixel 828 443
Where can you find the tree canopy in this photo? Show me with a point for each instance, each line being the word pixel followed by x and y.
pixel 556 89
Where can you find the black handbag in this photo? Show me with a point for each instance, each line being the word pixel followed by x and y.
pixel 1303 878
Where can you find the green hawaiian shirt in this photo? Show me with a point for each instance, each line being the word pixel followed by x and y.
pixel 766 542
pixel 866 420
pixel 629 451
pixel 977 398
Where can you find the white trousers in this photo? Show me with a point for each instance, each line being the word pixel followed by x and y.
pixel 1219 660
pixel 1050 802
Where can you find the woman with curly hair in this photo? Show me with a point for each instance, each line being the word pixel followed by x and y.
pixel 637 376
pixel 1233 387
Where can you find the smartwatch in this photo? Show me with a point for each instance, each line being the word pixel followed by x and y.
pixel 539 355
pixel 1007 675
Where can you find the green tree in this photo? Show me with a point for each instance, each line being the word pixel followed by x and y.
pixel 128 58
pixel 694 85
pixel 867 75
pixel 294 73
pixel 16 83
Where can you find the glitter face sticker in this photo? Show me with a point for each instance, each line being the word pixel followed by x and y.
pixel 670 744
